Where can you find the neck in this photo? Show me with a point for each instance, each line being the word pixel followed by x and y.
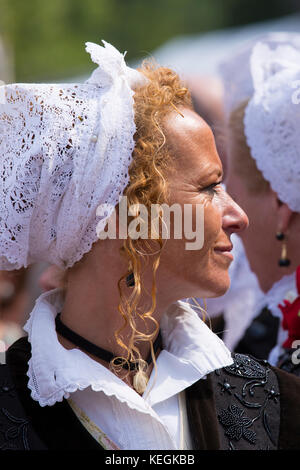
pixel 272 273
pixel 91 307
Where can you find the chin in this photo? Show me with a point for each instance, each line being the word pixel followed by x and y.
pixel 221 286
pixel 221 291
pixel 216 288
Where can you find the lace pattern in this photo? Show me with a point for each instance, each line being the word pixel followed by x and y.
pixel 248 405
pixel 272 120
pixel 64 150
pixel 264 72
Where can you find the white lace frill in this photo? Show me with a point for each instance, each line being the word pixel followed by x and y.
pixel 265 72
pixel 272 119
pixel 55 372
pixel 191 351
pixel 64 149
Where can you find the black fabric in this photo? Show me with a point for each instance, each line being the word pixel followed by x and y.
pixel 97 351
pixel 289 386
pixel 202 417
pixel 236 408
pixel 289 361
pixel 248 405
pixel 16 431
pixel 260 337
pixel 57 426
pixel 81 342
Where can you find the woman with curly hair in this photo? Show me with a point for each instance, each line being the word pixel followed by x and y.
pixel 115 360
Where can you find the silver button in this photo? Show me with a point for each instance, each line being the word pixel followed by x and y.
pixel 94 138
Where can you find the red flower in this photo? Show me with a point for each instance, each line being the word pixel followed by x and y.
pixel 291 316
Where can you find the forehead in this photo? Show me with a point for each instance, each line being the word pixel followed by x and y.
pixel 192 143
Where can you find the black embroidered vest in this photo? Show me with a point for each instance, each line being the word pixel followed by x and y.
pixel 237 407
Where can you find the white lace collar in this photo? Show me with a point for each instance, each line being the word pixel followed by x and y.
pixel 285 288
pixel 190 347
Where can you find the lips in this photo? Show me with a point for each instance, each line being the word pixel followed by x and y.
pixel 224 248
pixel 225 251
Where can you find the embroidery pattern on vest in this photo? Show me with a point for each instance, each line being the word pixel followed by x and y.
pixel 237 424
pixel 16 429
pixel 13 429
pixel 250 390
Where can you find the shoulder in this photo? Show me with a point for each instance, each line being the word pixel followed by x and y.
pixel 256 404
pixel 17 432
pixel 247 400
pixel 17 357
pixel 35 427
pixel 20 350
pixel 289 388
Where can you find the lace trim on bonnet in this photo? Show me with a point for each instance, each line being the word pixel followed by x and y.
pixel 272 119
pixel 265 72
pixel 64 148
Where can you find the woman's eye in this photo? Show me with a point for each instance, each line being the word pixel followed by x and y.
pixel 212 188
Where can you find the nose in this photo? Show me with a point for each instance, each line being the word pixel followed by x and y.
pixel 234 218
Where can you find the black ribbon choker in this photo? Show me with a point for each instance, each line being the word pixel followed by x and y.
pixel 101 353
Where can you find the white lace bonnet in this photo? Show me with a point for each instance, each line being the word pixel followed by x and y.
pixel 266 72
pixel 64 149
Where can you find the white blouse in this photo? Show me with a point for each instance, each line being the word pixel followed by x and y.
pixel 154 421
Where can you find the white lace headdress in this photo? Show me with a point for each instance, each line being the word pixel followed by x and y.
pixel 64 149
pixel 266 74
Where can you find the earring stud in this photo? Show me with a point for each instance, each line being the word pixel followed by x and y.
pixel 130 280
pixel 280 236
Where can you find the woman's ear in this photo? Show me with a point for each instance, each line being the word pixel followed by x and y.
pixel 284 216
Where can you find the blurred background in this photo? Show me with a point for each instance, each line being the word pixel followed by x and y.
pixel 43 41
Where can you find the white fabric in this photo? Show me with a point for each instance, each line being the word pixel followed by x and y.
pixel 264 74
pixel 272 119
pixel 235 71
pixel 285 288
pixel 64 149
pixel 191 351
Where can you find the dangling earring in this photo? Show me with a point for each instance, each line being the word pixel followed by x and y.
pixel 283 261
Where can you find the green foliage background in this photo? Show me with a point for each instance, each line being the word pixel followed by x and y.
pixel 47 36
